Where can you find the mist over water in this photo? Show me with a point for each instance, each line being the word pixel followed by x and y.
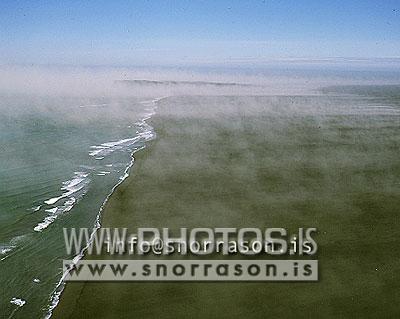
pixel 67 136
pixel 107 82
pixel 64 147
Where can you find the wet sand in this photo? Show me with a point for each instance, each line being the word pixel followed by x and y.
pixel 262 162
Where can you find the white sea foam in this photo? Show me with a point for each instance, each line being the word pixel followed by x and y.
pixel 36 208
pixel 77 185
pixel 69 204
pixel 93 105
pixel 6 249
pixel 110 147
pixel 103 173
pixel 54 213
pixel 18 301
pixel 53 200
pixel 71 186
pixel 145 133
pixel 45 223
pixel 55 298
pixel 52 210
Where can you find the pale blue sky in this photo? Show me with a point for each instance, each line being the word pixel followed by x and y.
pixel 174 32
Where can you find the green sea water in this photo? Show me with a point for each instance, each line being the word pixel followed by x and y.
pixel 60 157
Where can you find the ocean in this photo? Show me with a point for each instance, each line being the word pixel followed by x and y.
pixel 60 158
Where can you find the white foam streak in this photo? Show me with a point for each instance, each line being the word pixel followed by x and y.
pixel 110 147
pixel 77 184
pixel 93 105
pixel 6 249
pixel 60 286
pixel 70 187
pixel 18 301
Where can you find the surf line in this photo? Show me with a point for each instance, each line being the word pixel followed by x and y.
pixel 151 108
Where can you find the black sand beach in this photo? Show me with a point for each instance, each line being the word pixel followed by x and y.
pixel 322 161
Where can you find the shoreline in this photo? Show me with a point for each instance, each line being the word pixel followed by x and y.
pixel 249 162
pixel 56 295
pixel 52 313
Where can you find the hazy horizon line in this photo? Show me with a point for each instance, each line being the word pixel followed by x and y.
pixel 232 62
